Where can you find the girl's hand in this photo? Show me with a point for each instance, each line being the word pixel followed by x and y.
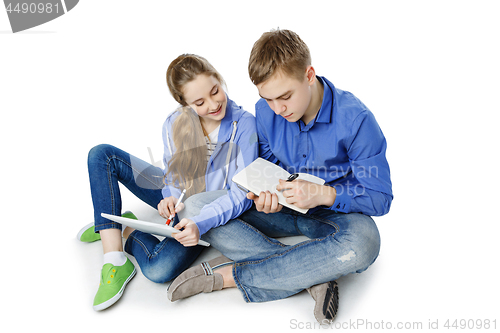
pixel 190 235
pixel 166 207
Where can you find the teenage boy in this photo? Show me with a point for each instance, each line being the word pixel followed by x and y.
pixel 304 124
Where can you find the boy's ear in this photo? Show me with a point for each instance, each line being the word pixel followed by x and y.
pixel 310 74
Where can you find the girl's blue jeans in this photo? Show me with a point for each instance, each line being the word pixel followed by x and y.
pixel 160 261
pixel 264 269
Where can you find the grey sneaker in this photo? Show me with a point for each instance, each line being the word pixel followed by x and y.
pixel 197 279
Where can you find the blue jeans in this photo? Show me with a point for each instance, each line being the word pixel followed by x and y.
pixel 266 269
pixel 108 166
pixel 162 261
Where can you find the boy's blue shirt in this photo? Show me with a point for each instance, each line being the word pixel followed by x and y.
pixel 244 151
pixel 343 145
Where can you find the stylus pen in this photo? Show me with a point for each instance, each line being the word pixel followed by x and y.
pixel 176 205
pixel 292 177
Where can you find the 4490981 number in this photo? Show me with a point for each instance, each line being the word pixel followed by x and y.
pixel 33 8
pixel 470 324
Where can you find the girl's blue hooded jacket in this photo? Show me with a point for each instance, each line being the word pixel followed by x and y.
pixel 237 147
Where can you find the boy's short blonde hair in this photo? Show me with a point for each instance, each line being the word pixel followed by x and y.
pixel 278 51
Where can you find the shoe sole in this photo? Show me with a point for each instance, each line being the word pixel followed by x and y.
pixel 114 299
pixel 80 233
pixel 331 302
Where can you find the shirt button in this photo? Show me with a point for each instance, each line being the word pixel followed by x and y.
pixel 304 156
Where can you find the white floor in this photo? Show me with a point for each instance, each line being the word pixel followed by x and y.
pixel 415 282
pixel 428 70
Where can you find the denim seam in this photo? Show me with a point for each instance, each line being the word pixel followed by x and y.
pixel 110 184
pixel 240 286
pixel 136 171
pixel 141 244
pixel 158 250
pixel 108 165
pixel 146 250
pixel 110 225
pixel 331 223
pixel 296 225
pixel 266 238
pixel 306 242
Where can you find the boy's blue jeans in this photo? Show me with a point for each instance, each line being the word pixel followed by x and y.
pixel 264 269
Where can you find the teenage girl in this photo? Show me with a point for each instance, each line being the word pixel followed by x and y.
pixel 207 140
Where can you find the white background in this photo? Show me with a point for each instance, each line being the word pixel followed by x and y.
pixel 428 70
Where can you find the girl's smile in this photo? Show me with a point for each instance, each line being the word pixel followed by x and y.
pixel 207 98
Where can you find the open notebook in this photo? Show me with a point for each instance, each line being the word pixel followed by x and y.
pixel 262 175
pixel 148 227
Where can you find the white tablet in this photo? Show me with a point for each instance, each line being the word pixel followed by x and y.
pixel 148 227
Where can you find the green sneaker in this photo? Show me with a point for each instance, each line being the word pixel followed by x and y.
pixel 88 235
pixel 113 282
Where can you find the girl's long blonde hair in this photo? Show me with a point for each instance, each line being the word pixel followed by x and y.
pixel 188 165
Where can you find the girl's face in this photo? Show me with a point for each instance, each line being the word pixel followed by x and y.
pixel 207 98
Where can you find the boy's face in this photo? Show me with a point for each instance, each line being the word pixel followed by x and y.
pixel 287 96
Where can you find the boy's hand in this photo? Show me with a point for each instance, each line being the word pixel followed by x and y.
pixel 166 207
pixel 265 202
pixel 304 194
pixel 190 235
